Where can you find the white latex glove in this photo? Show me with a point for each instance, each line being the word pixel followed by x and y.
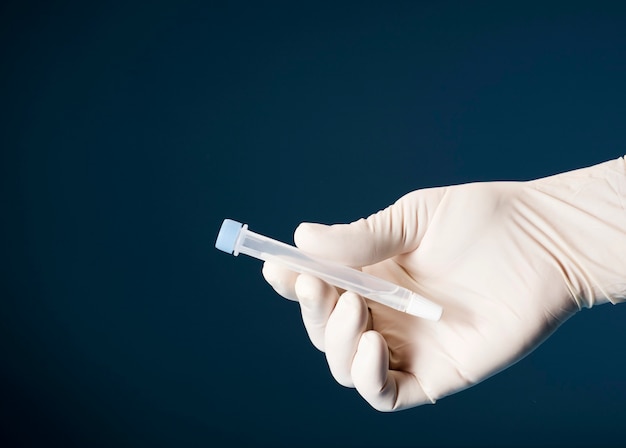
pixel 508 261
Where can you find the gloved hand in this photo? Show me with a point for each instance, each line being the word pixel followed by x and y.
pixel 508 261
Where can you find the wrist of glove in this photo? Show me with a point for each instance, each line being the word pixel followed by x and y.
pixel 580 218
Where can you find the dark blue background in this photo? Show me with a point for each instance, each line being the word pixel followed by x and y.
pixel 130 130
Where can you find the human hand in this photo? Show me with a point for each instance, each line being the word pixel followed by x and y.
pixel 508 261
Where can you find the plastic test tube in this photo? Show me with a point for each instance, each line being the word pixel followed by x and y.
pixel 235 238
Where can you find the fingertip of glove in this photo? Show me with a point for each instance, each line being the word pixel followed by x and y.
pixel 305 231
pixel 353 304
pixel 308 286
pixel 268 271
pixel 369 340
